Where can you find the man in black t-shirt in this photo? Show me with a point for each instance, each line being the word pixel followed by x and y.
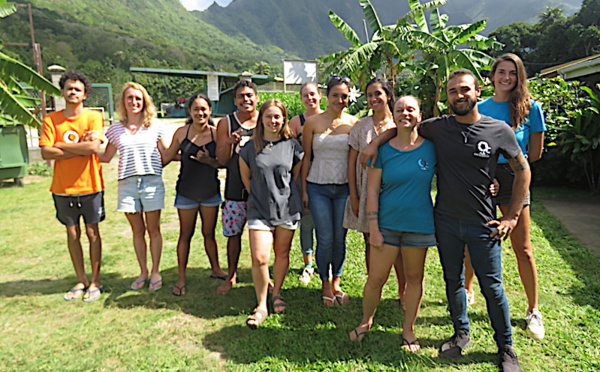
pixel 233 132
pixel 468 145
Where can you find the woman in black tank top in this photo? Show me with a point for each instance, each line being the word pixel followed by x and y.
pixel 198 187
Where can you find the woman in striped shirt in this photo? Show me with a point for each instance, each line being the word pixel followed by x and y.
pixel 141 193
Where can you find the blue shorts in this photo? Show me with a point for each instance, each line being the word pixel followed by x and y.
pixel 407 239
pixel 181 202
pixel 260 224
pixel 141 194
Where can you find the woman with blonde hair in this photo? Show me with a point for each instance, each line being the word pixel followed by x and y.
pixel 513 104
pixel 269 165
pixel 141 193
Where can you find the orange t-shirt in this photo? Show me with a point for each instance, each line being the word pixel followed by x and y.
pixel 80 174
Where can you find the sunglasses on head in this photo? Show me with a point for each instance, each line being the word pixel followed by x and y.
pixel 343 79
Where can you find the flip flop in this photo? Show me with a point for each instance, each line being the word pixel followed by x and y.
pixel 358 336
pixel 258 317
pixel 342 298
pixel 279 305
pixel 407 345
pixel 328 301
pixel 218 277
pixel 157 285
pixel 93 295
pixel 136 284
pixel 180 289
pixel 77 294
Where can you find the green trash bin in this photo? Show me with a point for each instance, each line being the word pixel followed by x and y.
pixel 14 155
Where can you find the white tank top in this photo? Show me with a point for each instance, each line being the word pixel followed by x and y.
pixel 330 162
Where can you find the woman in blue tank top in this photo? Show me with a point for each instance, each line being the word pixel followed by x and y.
pixel 513 104
pixel 198 188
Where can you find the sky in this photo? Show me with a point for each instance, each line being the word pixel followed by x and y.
pixel 202 4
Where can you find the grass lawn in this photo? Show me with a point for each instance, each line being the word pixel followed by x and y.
pixel 130 331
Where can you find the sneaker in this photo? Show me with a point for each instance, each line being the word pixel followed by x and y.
pixel 452 349
pixel 306 274
pixel 508 361
pixel 470 298
pixel 535 325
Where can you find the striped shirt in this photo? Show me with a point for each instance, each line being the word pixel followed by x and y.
pixel 138 153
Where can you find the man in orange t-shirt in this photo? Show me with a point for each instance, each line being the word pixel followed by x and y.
pixel 72 138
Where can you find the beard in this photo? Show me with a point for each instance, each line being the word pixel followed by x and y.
pixel 465 110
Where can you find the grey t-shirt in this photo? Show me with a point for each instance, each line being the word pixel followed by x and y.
pixel 274 195
pixel 467 156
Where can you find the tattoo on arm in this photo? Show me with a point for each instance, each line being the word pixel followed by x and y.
pixel 518 163
pixel 372 215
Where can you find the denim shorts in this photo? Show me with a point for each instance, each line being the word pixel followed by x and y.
pixel 141 194
pixel 260 224
pixel 181 202
pixel 407 239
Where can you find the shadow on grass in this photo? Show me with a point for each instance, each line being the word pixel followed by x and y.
pixel 584 264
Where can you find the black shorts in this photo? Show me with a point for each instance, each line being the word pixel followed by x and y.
pixel 69 208
pixel 505 177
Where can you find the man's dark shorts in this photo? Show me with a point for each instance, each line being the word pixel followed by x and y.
pixel 69 208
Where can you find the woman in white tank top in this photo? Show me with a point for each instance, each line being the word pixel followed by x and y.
pixel 325 184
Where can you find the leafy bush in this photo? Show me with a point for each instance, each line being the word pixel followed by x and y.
pixel 39 169
pixel 291 101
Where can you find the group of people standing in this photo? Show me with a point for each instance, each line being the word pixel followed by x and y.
pixel 309 172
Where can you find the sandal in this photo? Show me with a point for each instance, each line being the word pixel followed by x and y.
pixel 358 336
pixel 257 318
pixel 74 294
pixel 280 304
pixel 328 301
pixel 411 346
pixel 342 298
pixel 178 291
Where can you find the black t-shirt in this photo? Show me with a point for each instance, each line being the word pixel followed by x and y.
pixel 274 195
pixel 467 156
pixel 234 188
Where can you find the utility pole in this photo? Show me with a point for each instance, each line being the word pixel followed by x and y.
pixel 37 53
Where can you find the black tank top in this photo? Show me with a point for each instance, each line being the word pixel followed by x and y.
pixel 234 188
pixel 302 121
pixel 197 181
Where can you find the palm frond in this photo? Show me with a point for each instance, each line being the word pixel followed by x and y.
pixel 371 15
pixel 471 31
pixel 6 8
pixel 345 29
pixel 10 67
pixel 353 60
pixel 10 106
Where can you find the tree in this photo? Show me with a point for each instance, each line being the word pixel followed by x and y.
pixel 443 48
pixel 13 102
pixel 383 52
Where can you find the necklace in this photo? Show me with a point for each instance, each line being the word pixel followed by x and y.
pixel 466 132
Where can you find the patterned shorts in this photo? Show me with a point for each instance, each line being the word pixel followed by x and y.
pixel 233 217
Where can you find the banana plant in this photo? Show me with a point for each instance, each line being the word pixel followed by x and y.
pixel 13 106
pixel 382 52
pixel 439 49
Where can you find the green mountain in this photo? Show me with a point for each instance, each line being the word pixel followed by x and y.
pixel 302 27
pixel 102 34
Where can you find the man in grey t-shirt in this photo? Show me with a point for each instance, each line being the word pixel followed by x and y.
pixel 467 146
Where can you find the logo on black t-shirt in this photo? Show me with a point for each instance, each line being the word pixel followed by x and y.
pixel 484 150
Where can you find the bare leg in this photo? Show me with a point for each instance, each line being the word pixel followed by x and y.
pixel 76 253
pixel 260 249
pixel 283 243
pixel 187 226
pixel 381 265
pixel 521 243
pixel 93 234
pixel 208 216
pixel 156 243
pixel 414 268
pixel 138 227
pixel 469 276
pixel 234 247
pixel 399 269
